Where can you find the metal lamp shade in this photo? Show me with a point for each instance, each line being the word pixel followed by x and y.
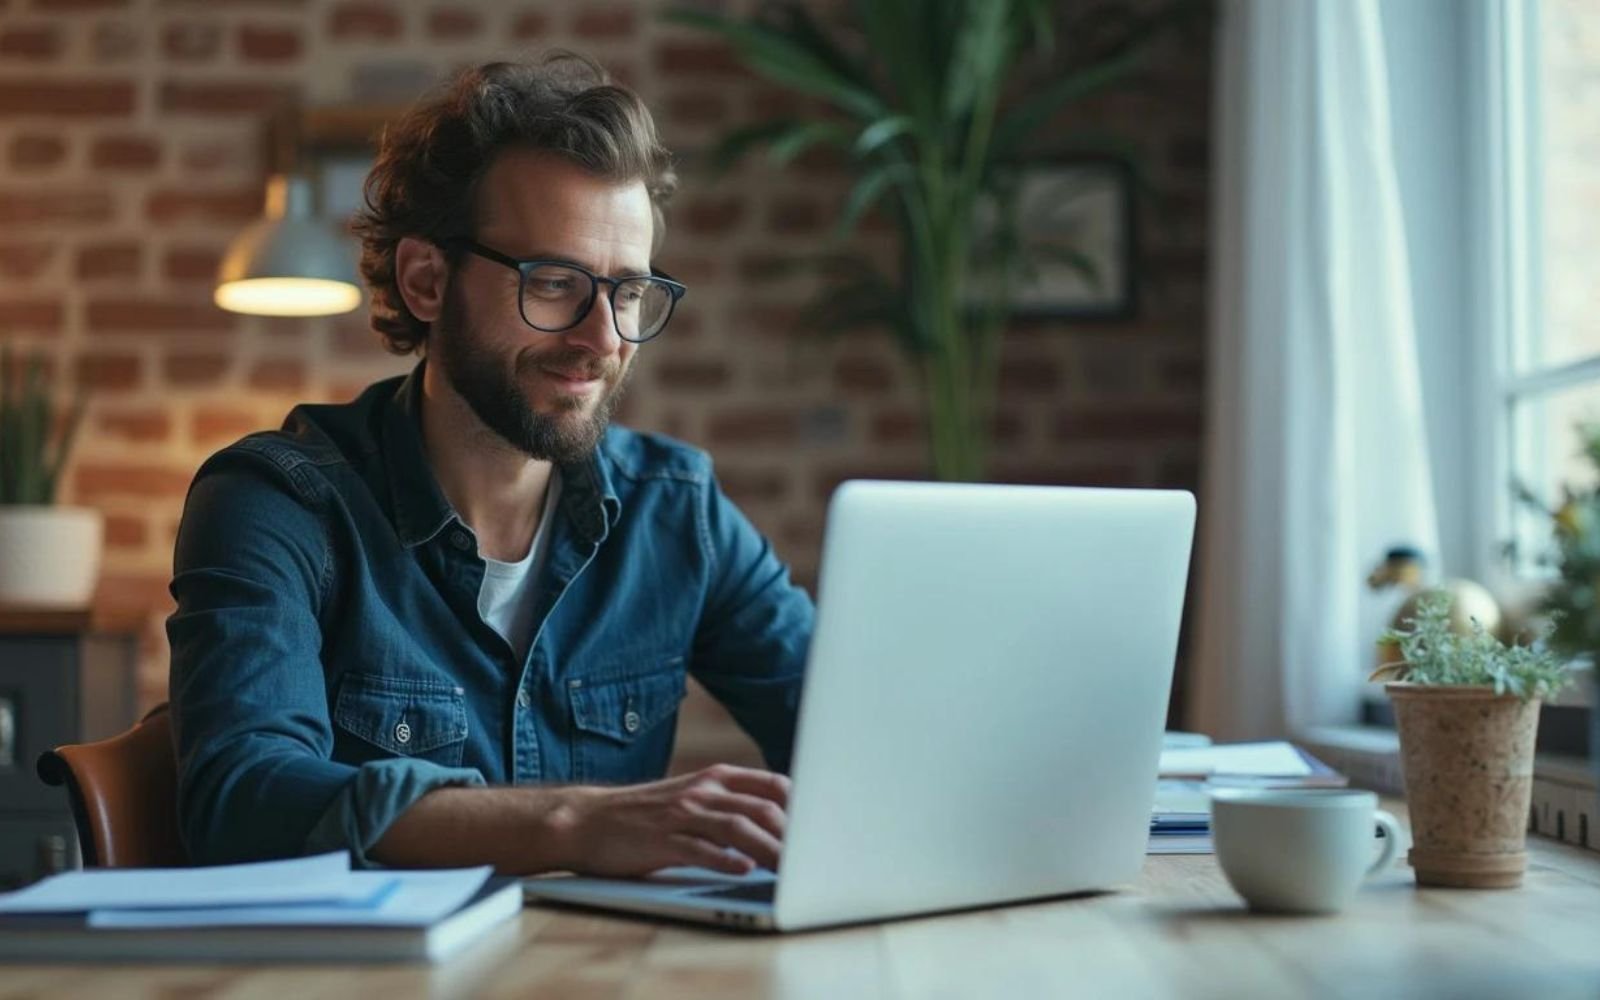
pixel 289 263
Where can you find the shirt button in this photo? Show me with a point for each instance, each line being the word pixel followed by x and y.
pixel 630 722
pixel 460 540
pixel 522 697
pixel 402 733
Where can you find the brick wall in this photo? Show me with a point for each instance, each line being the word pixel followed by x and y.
pixel 129 156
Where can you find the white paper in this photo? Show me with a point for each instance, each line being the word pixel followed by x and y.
pixel 1254 759
pixel 420 899
pixel 324 878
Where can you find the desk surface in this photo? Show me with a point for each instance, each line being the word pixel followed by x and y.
pixel 1178 932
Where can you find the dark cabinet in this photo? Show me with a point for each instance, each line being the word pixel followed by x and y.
pixel 61 681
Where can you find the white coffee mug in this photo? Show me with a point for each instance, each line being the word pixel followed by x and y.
pixel 1300 850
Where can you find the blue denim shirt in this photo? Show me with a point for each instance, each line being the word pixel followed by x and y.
pixel 330 667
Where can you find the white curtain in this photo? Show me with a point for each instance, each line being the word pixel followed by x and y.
pixel 1316 459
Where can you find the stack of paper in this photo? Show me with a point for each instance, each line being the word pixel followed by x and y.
pixel 302 909
pixel 1181 820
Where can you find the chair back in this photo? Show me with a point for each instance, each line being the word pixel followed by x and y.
pixel 124 794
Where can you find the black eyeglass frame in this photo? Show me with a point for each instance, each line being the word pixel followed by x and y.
pixel 526 267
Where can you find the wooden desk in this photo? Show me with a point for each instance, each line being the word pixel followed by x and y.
pixel 1179 932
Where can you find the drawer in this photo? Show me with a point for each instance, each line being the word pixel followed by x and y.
pixel 38 711
pixel 34 847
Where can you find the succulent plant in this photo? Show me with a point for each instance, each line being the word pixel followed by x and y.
pixel 34 446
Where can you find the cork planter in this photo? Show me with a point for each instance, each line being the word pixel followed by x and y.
pixel 1467 757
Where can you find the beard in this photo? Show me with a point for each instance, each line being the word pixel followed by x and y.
pixel 498 399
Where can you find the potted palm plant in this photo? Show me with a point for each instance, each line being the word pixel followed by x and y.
pixel 928 103
pixel 1467 708
pixel 49 554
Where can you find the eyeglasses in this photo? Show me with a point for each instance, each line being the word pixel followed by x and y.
pixel 555 295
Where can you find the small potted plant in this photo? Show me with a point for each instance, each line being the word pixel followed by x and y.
pixel 1467 707
pixel 49 554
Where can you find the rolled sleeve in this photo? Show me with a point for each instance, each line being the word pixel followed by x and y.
pixel 253 738
pixel 753 636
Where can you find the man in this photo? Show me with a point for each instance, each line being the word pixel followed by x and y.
pixel 449 623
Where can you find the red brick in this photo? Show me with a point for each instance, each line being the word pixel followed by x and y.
pixel 211 426
pixel 108 372
pixel 795 216
pixel 230 207
pixel 71 6
pixel 53 98
pixel 124 152
pixel 34 315
pixel 828 479
pixel 350 21
pixel 219 97
pixel 753 486
pixel 25 261
pixel 129 597
pixel 126 532
pixel 753 426
pixel 115 41
pixel 34 152
pixel 208 156
pixel 191 41
pixel 605 22
pixel 764 268
pixel 183 264
pixel 707 216
pixel 698 108
pixel 190 370
pixel 898 427
pixel 690 374
pixel 453 23
pixel 267 44
pixel 280 375
pixel 692 270
pixel 145 315
pixel 1032 375
pixel 93 482
pixel 140 425
pixel 767 319
pixel 1183 374
pixel 864 375
pixel 35 43
pixel 109 260
pixel 1128 423
pixel 681 60
pixel 530 24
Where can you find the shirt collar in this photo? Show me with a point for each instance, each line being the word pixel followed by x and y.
pixel 420 508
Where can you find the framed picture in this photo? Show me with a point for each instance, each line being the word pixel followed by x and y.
pixel 1076 224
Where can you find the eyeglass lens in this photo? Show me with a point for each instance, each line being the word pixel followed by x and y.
pixel 555 297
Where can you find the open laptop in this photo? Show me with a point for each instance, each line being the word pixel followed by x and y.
pixel 982 713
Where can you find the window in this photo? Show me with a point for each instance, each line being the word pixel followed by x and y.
pixel 1547 164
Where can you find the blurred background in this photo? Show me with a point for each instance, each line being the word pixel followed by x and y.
pixel 137 138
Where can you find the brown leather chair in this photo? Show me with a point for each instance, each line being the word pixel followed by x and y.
pixel 124 793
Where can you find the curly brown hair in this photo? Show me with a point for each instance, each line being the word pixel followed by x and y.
pixel 430 161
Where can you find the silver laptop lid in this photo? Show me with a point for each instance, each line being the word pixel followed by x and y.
pixel 985 696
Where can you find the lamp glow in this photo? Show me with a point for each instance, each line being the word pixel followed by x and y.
pixel 289 263
pixel 288 296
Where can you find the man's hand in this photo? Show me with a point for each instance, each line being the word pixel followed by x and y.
pixel 725 818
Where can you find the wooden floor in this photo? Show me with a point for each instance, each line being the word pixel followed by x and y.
pixel 1179 932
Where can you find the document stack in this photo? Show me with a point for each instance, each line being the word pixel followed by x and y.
pixel 300 910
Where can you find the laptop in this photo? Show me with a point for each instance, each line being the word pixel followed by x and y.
pixel 982 714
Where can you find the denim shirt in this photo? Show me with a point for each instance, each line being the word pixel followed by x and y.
pixel 330 667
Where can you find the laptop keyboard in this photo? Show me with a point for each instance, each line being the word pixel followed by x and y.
pixel 756 892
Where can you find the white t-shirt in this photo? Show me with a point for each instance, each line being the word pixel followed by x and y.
pixel 504 601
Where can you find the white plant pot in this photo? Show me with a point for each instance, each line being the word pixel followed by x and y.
pixel 49 555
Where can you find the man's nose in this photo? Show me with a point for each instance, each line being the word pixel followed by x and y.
pixel 597 332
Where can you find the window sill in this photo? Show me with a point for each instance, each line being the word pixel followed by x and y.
pixel 1566 796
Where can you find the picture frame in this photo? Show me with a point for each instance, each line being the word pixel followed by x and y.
pixel 1087 206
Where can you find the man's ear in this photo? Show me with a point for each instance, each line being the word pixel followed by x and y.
pixel 422 275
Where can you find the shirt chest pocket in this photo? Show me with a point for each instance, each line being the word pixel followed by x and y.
pixel 403 716
pixel 623 726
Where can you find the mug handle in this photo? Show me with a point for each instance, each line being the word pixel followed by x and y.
pixel 1392 835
